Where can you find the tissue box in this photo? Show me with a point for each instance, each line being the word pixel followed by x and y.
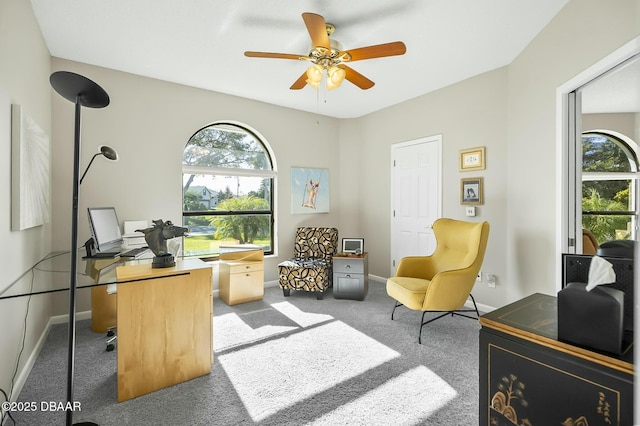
pixel 593 319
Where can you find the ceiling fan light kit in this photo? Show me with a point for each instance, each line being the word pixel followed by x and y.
pixel 328 54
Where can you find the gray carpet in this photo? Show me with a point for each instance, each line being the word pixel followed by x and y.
pixel 285 361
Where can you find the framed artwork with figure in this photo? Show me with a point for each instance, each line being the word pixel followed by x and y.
pixel 309 190
pixel 471 191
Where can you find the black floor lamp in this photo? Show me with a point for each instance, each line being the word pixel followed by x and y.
pixel 82 92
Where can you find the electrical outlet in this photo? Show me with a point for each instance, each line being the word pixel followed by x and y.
pixel 491 280
pixel 479 277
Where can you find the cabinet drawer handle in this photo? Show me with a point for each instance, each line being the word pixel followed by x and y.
pixel 348 266
pixel 247 267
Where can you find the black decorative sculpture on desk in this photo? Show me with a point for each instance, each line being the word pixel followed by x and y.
pixel 156 238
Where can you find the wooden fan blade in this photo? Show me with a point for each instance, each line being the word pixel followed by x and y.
pixel 317 30
pixel 272 55
pixel 378 51
pixel 300 82
pixel 356 78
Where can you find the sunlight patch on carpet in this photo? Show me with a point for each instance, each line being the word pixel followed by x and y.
pixel 279 373
pixel 304 319
pixel 230 330
pixel 408 399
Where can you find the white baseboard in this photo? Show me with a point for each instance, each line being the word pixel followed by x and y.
pixel 28 365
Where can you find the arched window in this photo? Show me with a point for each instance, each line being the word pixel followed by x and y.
pixel 609 186
pixel 228 178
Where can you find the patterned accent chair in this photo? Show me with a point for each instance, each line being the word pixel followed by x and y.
pixel 310 268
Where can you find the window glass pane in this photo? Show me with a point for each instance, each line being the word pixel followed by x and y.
pixel 225 146
pixel 607 195
pixel 235 193
pixel 602 153
pixel 208 233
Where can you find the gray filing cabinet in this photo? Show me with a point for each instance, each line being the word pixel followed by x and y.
pixel 350 276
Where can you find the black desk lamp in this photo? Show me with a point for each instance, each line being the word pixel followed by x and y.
pixel 108 152
pixel 82 92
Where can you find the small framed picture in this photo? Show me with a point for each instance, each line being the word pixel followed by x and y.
pixel 471 191
pixel 472 159
pixel 353 245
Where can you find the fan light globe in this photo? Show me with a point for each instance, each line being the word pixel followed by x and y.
pixel 314 75
pixel 335 77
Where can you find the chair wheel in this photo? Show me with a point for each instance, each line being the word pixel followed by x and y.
pixel 110 347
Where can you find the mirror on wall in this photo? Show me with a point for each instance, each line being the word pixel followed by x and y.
pixel 609 186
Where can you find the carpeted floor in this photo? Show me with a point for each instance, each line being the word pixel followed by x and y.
pixel 285 361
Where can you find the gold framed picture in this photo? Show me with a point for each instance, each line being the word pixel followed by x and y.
pixel 472 159
pixel 471 191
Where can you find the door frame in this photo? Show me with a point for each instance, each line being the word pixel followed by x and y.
pixel 566 134
pixel 437 138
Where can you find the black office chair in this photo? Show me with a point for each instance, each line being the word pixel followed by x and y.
pixel 112 337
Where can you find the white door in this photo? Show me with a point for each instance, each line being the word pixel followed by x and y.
pixel 415 197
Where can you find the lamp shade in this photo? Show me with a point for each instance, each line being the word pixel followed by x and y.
pixel 106 151
pixel 109 152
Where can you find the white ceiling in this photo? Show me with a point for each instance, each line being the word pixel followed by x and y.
pixel 200 43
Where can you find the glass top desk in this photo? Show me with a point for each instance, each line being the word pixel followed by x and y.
pixel 178 298
pixel 51 274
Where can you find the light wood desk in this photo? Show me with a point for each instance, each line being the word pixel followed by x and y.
pixel 165 326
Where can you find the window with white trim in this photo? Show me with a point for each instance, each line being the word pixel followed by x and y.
pixel 228 178
pixel 609 186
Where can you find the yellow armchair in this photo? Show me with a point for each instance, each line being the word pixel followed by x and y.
pixel 442 282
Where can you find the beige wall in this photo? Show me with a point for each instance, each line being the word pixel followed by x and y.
pixel 24 80
pixel 621 123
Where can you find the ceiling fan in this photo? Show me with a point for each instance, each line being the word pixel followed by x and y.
pixel 327 55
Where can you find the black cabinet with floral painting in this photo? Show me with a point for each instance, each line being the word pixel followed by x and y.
pixel 528 377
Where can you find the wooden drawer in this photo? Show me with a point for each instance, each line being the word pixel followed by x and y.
pixel 348 266
pixel 243 267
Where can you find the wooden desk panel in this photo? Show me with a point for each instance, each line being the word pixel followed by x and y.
pixel 164 326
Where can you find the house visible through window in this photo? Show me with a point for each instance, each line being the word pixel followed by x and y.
pixel 228 179
pixel 609 186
